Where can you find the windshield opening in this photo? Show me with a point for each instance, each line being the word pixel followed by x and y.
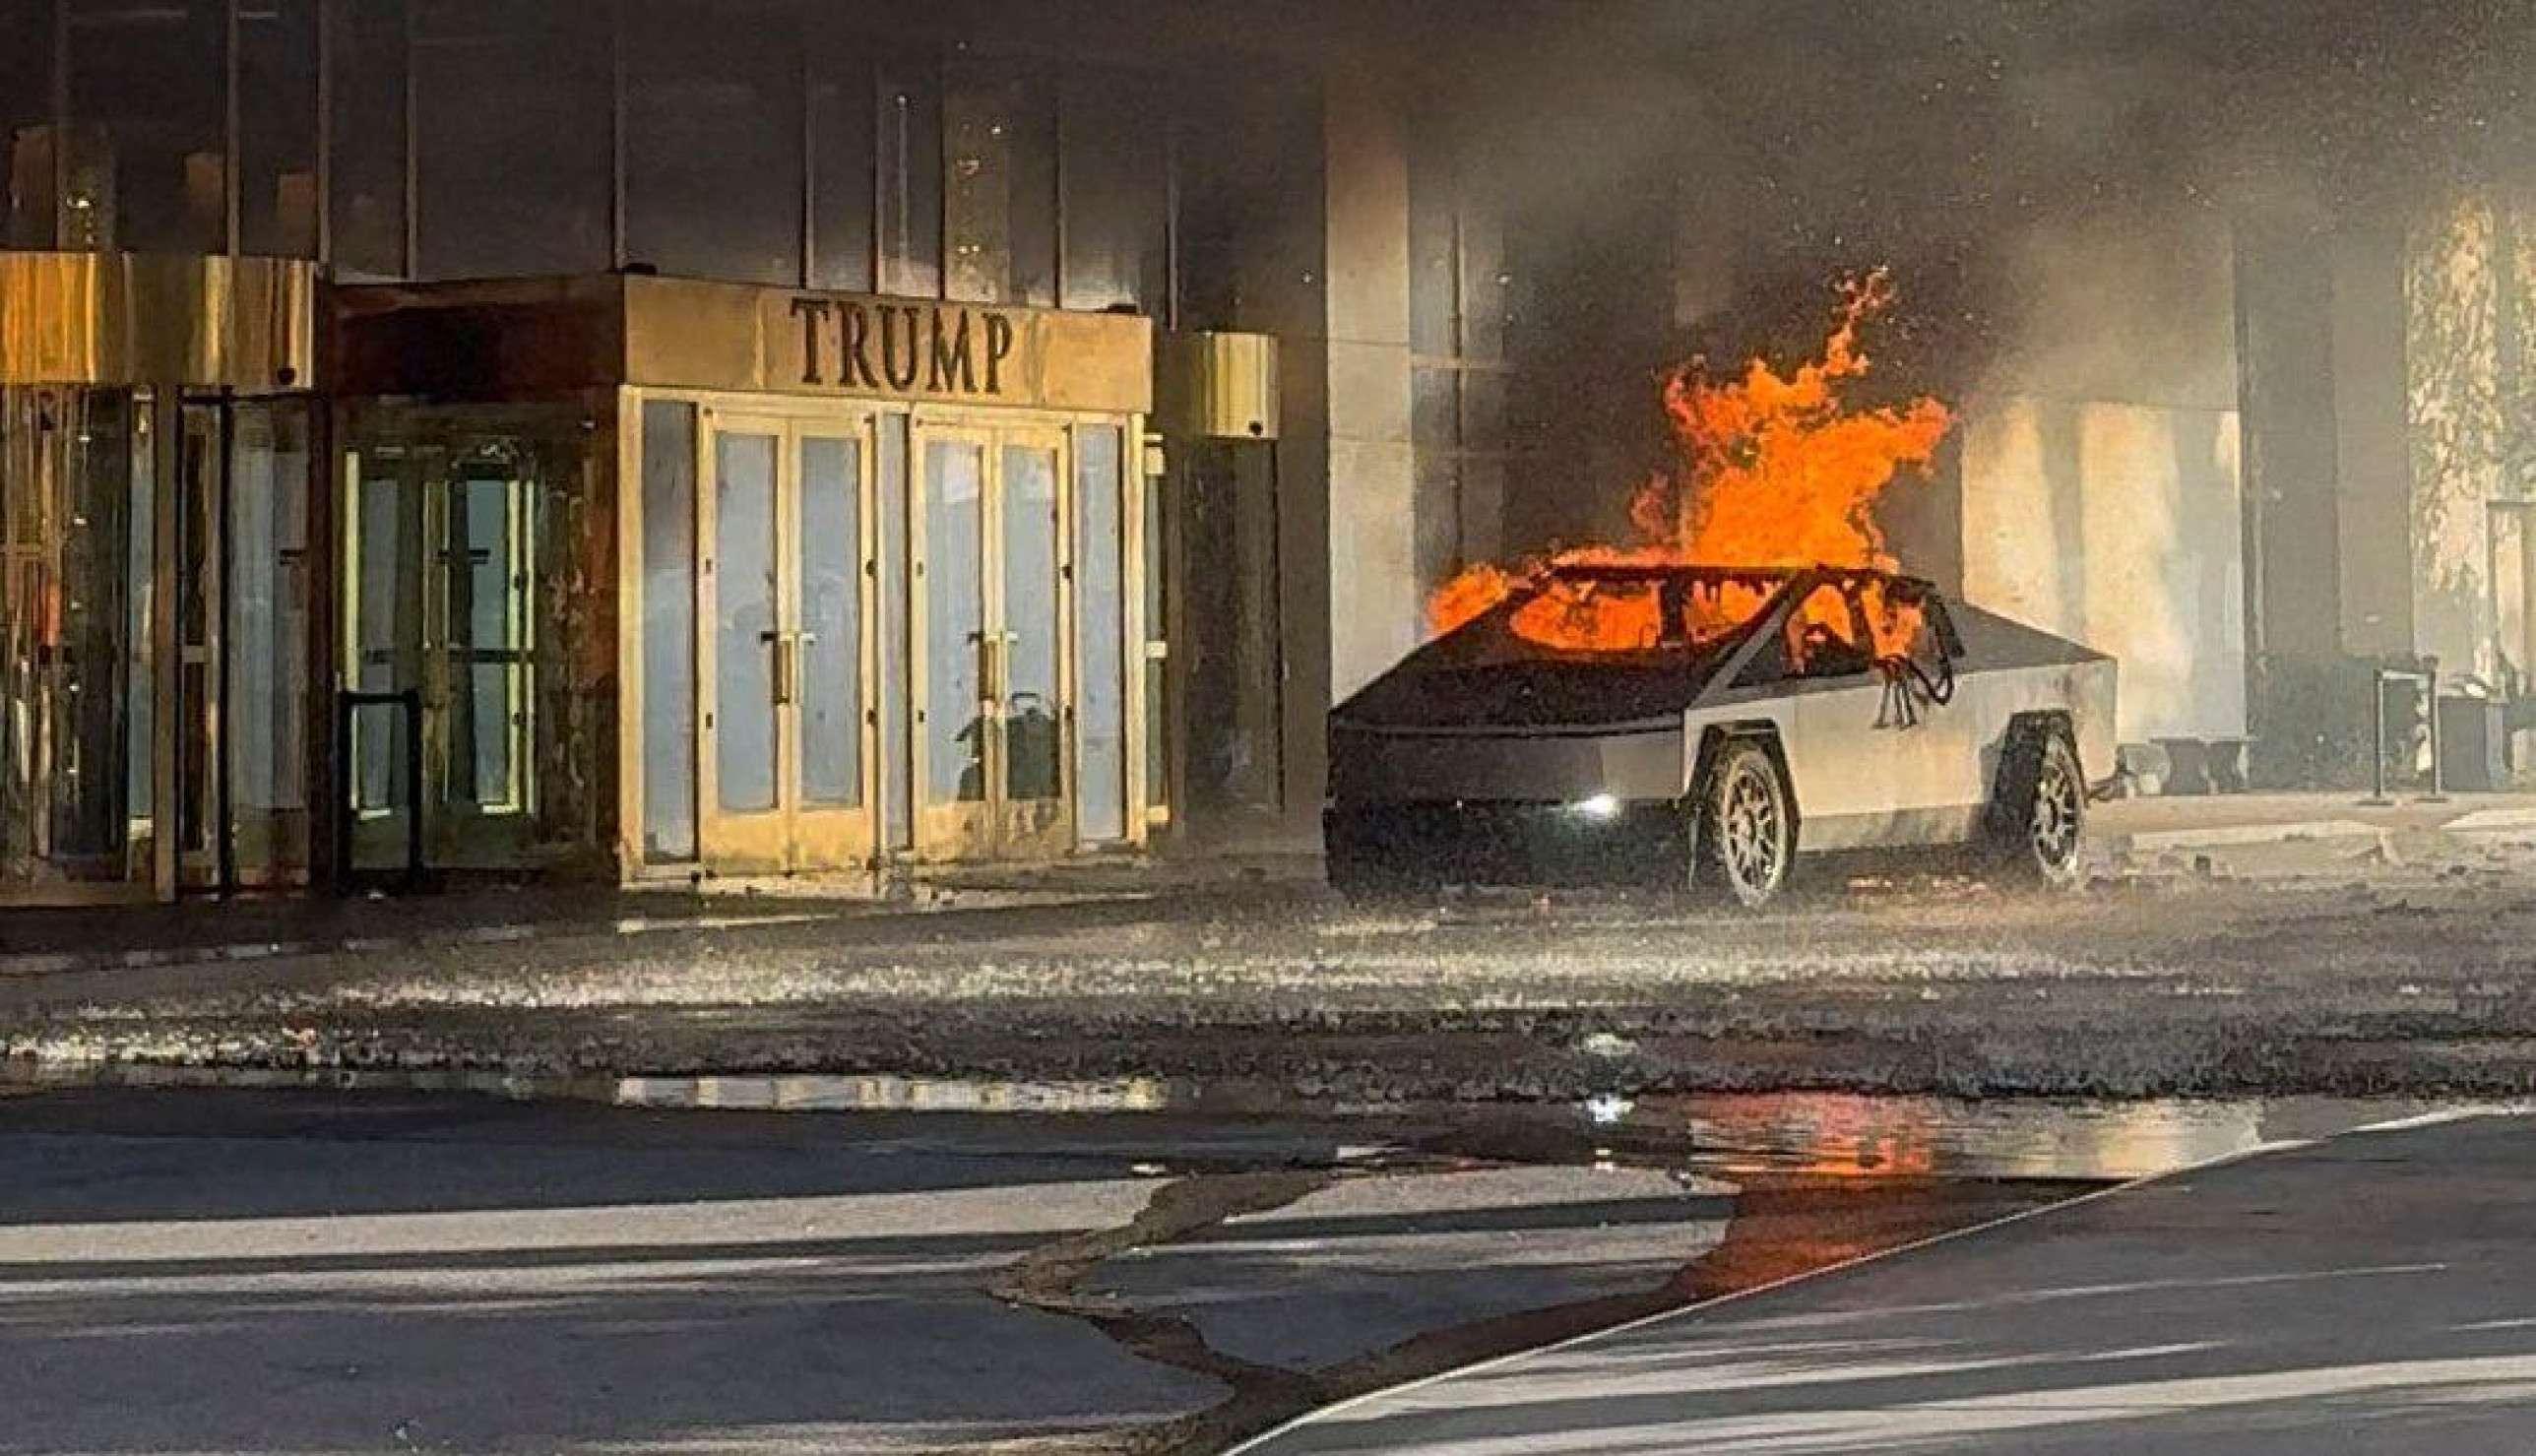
pixel 1617 612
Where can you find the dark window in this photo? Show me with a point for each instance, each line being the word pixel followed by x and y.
pixel 908 126
pixel 278 127
pixel 842 117
pixel 512 150
pixel 999 186
pixel 1117 202
pixel 1247 196
pixel 26 123
pixel 150 120
pixel 713 141
pixel 1435 257
pixel 365 180
pixel 1457 334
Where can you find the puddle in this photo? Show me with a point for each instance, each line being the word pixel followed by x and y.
pixel 1821 1134
pixel 1859 1136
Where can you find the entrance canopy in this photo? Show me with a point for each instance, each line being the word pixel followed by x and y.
pixel 508 338
pixel 240 324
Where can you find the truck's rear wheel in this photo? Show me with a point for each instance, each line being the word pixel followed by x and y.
pixel 2038 825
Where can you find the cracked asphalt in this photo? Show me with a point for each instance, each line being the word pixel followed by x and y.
pixel 231 1272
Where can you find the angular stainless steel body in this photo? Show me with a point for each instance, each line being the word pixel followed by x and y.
pixel 1477 728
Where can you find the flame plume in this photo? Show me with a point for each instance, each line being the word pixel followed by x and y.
pixel 1772 471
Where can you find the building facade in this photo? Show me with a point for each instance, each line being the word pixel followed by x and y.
pixel 638 439
pixel 643 439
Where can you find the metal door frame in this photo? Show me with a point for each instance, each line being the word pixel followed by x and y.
pixel 994 826
pixel 793 835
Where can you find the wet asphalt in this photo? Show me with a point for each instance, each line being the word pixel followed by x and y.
pixel 383 1270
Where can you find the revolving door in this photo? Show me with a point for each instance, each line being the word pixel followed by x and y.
pixel 154 643
pixel 474 585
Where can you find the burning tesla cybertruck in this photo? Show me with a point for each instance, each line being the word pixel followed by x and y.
pixel 1713 726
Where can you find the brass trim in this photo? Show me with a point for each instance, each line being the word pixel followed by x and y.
pixel 247 323
pixel 1216 385
pixel 684 333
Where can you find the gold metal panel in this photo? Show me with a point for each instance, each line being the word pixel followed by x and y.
pixel 682 334
pixel 142 318
pixel 480 340
pixel 1217 385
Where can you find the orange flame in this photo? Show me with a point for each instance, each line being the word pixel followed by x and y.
pixel 1773 471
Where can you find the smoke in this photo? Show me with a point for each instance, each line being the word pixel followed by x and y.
pixel 2055 184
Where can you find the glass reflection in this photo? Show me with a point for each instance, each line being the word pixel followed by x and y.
pixel 1032 740
pixel 830 547
pixel 908 163
pixel 267 639
pixel 471 585
pixel 149 110
pixel 69 650
pixel 744 622
pixel 955 621
pixel 1100 647
pixel 668 630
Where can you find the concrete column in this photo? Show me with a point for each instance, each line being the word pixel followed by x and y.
pixel 2374 502
pixel 1375 607
pixel 2306 710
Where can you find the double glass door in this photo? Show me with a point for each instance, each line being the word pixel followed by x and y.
pixel 993 680
pixel 786 597
pixel 447 550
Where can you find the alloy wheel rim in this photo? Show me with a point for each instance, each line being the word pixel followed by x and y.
pixel 1752 830
pixel 2054 830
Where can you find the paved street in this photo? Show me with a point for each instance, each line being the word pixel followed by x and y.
pixel 2257 956
pixel 2374 1292
pixel 228 1272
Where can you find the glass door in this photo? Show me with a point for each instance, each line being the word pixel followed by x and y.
pixel 952 709
pixel 994 690
pixel 263 720
pixel 242 596
pixel 477 581
pixel 783 652
pixel 446 552
pixel 1033 702
pixel 78 512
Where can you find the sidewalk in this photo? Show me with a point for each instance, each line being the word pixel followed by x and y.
pixel 37 941
pixel 2365 1292
pixel 2263 834
pixel 2246 836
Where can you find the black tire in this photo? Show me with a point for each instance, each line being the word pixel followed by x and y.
pixel 2038 823
pixel 1360 871
pixel 1747 825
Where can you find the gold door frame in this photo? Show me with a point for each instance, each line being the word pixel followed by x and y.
pixel 426 457
pixel 1034 827
pixel 962 829
pixel 994 826
pixel 944 832
pixel 792 835
pixel 840 835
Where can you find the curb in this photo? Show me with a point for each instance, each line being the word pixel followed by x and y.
pixel 2239 836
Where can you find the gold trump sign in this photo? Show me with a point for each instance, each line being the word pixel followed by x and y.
pixel 722 337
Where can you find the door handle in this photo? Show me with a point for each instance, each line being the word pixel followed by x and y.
pixel 785 666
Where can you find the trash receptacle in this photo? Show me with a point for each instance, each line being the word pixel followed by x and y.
pixel 2474 744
